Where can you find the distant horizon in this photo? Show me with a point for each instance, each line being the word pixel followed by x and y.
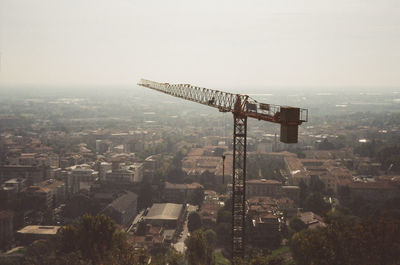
pixel 215 44
pixel 252 87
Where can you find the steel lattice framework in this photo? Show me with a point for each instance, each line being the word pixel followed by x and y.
pixel 242 107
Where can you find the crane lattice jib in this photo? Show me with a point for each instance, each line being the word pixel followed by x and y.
pixel 224 101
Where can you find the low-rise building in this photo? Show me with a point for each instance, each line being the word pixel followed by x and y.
pixel 14 185
pixel 123 209
pixel 32 174
pixel 179 193
pixel 263 187
pixel 209 214
pixel 372 190
pixel 31 233
pixel 147 237
pixel 264 213
pixel 265 231
pixel 83 172
pixel 150 165
pixel 57 189
pixel 168 215
pixel 124 174
pixel 296 171
pixel 292 192
pixel 209 158
pixel 104 167
pixel 38 197
pixel 137 169
pixel 286 206
pixel 311 219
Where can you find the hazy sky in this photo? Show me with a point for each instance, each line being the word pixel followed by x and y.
pixel 204 42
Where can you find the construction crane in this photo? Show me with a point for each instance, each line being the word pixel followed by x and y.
pixel 242 107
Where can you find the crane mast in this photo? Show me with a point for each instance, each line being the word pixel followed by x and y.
pixel 242 107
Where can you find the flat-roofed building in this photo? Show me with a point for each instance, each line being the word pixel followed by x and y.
pixel 169 215
pixel 311 219
pixel 30 233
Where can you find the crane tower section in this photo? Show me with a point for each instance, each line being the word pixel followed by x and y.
pixel 242 107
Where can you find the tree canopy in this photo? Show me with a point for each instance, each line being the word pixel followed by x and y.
pixel 194 222
pixel 199 252
pixel 92 240
pixel 367 242
pixel 197 197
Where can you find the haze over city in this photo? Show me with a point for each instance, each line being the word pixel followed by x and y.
pixel 345 43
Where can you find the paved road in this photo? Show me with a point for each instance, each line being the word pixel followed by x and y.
pixel 180 245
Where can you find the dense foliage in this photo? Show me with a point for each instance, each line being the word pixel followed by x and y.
pixel 92 240
pixel 194 222
pixel 367 242
pixel 199 251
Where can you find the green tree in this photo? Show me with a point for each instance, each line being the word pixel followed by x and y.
pixel 208 180
pixel 48 216
pixel 224 234
pixel 315 203
pixel 194 222
pixel 199 252
pixel 211 237
pixel 175 258
pixel 368 242
pixel 259 260
pixel 296 224
pixel 224 216
pixel 96 239
pixel 79 205
pixel 174 172
pixel 40 252
pixel 197 197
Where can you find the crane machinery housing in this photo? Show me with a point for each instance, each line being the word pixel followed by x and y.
pixel 242 107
